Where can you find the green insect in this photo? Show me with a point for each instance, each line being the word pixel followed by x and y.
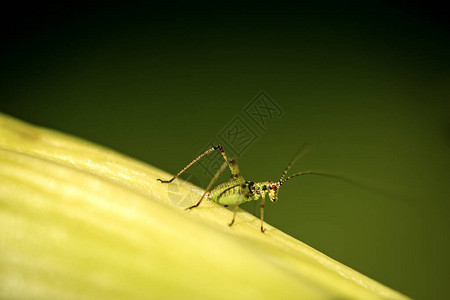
pixel 238 190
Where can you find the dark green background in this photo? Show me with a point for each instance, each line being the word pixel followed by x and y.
pixel 367 85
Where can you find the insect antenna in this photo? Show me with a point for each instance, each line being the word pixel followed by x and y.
pixel 366 186
pixel 324 174
pixel 302 151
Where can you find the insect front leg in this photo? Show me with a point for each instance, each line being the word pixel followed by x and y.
pixel 263 196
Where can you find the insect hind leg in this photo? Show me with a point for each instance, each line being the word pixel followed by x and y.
pixel 231 164
pixel 211 183
pixel 234 215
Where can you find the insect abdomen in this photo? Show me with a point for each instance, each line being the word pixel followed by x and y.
pixel 228 193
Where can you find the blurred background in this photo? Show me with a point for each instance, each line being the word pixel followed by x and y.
pixel 366 84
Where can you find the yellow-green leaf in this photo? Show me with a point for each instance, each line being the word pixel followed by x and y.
pixel 79 221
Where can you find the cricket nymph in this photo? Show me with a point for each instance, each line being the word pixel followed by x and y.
pixel 238 190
